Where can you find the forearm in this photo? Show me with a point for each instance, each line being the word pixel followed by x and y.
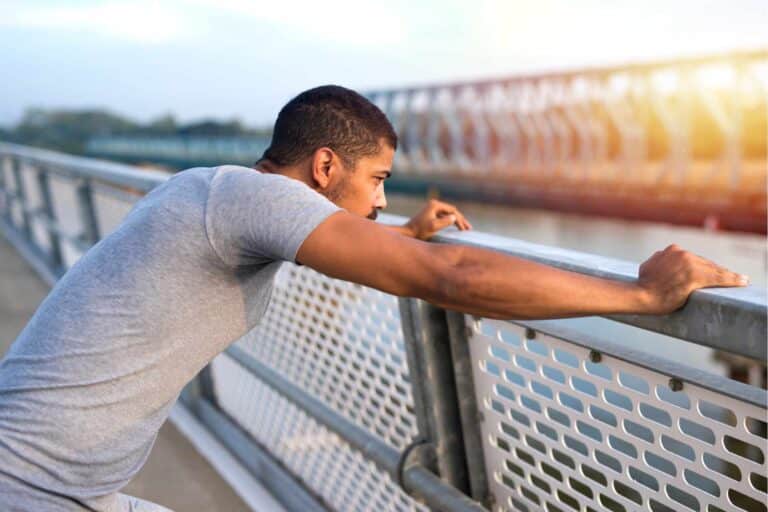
pixel 490 284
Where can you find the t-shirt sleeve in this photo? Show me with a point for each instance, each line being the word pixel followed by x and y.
pixel 253 217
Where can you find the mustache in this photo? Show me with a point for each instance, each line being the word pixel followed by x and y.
pixel 373 214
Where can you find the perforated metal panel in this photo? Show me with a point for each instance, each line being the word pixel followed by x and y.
pixel 561 432
pixel 342 343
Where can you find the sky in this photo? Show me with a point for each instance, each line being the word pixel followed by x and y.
pixel 244 59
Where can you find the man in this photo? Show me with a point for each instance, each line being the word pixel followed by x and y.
pixel 90 380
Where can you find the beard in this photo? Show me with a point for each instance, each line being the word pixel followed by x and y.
pixel 339 192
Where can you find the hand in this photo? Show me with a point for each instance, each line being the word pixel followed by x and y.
pixel 669 276
pixel 435 216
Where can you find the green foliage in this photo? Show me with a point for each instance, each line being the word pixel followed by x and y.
pixel 70 130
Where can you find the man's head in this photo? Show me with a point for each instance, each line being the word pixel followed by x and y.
pixel 338 142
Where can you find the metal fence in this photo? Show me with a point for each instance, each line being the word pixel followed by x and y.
pixel 694 122
pixel 346 398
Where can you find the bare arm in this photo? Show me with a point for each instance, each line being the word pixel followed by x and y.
pixel 490 284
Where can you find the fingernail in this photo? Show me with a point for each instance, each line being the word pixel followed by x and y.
pixel 744 279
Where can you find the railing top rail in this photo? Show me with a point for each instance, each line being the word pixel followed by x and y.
pixel 101 170
pixel 728 319
pixel 596 71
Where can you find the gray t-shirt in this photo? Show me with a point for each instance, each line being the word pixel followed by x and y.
pixel 87 384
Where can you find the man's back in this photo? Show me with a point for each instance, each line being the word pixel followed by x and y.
pixel 90 380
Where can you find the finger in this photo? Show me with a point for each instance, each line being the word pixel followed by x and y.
pixel 464 222
pixel 443 222
pixel 724 277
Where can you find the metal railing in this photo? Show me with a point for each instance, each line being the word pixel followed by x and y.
pixel 346 398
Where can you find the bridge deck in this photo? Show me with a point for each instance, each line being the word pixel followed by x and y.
pixel 175 474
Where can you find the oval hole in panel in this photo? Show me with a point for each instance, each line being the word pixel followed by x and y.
pixel 617 399
pixel 553 374
pixel 745 502
pixel 515 378
pixel 659 463
pixel 742 449
pixel 541 389
pixel 717 413
pixel 558 417
pixel 611 504
pixel 638 431
pixel 589 431
pixel 571 402
pixel 525 363
pixel 697 431
pixel 575 445
pixel 509 430
pixel 608 461
pixel 756 427
pixel 679 448
pixel 701 482
pixel 546 430
pixel 655 414
pixel 530 403
pixel 500 353
pixel 622 446
pixel 683 497
pixel 633 382
pixel 566 358
pixel 627 492
pixel 598 370
pixel 602 415
pixel 722 466
pixel 758 482
pixel 583 386
pixel 537 347
pixel 644 478
pixel 677 398
pixel 510 337
pixel 505 392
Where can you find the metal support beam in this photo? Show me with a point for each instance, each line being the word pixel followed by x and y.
pixel 432 382
pixel 26 224
pixel 88 218
pixel 418 481
pixel 468 408
pixel 50 215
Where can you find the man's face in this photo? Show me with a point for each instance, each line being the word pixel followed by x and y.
pixel 362 192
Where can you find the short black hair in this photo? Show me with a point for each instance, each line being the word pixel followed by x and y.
pixel 329 116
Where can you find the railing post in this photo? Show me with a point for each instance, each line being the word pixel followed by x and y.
pixel 55 258
pixel 434 392
pixel 470 413
pixel 88 219
pixel 21 195
pixel 5 204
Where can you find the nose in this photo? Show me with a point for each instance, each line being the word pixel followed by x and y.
pixel 381 199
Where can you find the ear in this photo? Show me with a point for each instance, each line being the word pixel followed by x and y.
pixel 325 165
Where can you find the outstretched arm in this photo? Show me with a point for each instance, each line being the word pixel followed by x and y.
pixel 490 284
